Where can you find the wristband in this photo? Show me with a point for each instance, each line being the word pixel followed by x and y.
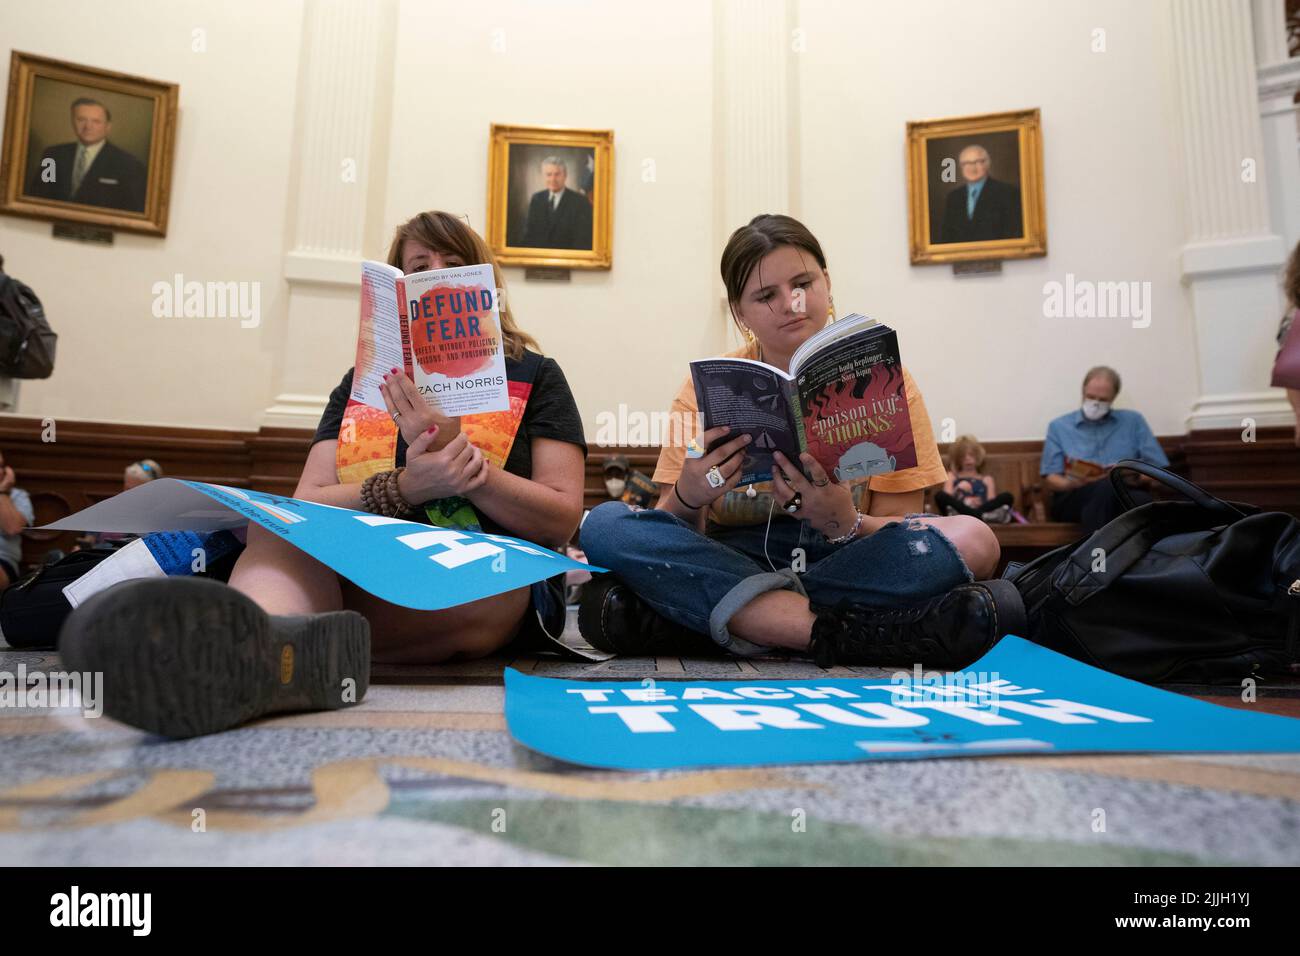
pixel 684 501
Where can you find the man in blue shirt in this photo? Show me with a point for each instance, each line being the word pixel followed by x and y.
pixel 1102 435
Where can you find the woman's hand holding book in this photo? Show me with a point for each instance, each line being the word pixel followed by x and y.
pixel 827 506
pixel 455 469
pixel 412 413
pixel 693 485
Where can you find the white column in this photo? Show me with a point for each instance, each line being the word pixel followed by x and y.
pixel 344 100
pixel 1279 81
pixel 755 157
pixel 1232 258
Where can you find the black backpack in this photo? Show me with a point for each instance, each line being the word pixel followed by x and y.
pixel 27 342
pixel 1198 590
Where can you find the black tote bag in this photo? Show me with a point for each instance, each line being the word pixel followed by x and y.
pixel 1197 590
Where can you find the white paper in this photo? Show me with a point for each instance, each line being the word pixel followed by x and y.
pixel 135 560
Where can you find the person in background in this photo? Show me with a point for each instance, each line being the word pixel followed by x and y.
pixel 1291 285
pixel 1098 436
pixel 15 515
pixel 142 472
pixel 968 491
pixel 625 483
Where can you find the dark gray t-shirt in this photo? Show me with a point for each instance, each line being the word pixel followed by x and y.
pixel 550 412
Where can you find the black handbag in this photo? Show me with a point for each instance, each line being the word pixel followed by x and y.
pixel 33 608
pixel 1198 590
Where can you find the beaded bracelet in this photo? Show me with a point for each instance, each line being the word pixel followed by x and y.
pixel 381 494
pixel 394 492
pixel 368 495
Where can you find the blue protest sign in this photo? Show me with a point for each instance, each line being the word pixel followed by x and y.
pixel 403 562
pixel 1019 698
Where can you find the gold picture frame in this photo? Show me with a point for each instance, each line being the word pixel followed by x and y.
pixel 1008 219
pixel 127 184
pixel 531 223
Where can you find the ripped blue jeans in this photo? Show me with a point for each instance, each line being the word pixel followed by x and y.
pixel 701 580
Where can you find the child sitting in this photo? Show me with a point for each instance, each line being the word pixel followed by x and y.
pixel 969 492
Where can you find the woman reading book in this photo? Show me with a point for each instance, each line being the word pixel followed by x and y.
pixel 850 572
pixel 179 634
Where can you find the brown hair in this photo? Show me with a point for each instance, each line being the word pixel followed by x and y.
pixel 963 446
pixel 448 234
pixel 1292 281
pixel 1102 371
pixel 751 242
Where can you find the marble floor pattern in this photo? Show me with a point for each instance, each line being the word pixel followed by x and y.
pixel 423 772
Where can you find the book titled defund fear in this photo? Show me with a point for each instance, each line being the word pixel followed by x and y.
pixel 443 327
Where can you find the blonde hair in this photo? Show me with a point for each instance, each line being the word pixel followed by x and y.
pixel 963 446
pixel 146 469
pixel 448 235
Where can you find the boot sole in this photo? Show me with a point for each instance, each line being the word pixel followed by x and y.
pixel 183 657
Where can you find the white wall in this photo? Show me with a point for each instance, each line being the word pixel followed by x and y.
pixel 980 348
pixel 116 362
pixel 625 335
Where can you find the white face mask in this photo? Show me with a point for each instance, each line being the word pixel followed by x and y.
pixel 614 487
pixel 1094 410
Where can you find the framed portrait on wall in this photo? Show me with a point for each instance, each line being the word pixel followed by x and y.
pixel 87 145
pixel 550 196
pixel 975 188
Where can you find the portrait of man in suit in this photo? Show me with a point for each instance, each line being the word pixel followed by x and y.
pixel 91 170
pixel 558 217
pixel 982 207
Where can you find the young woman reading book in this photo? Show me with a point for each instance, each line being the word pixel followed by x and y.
pixel 849 572
pixel 183 652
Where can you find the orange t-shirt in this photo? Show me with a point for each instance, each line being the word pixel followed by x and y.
pixel 737 508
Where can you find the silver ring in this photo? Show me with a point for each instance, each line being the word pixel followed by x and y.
pixel 715 477
pixel 823 483
pixel 396 415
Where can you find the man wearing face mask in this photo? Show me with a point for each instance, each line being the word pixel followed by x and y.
pixel 622 483
pixel 1101 435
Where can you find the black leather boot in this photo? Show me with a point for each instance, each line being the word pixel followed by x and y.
pixel 946 632
pixel 612 618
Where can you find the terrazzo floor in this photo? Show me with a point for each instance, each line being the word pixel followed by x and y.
pixel 424 772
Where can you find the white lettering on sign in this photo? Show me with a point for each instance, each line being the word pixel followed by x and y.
pixel 764 693
pixel 752 717
pixel 1069 712
pixel 645 715
pixel 886 715
pixel 591 696
pixel 641 720
pixel 456 553
pixel 646 695
pixel 821 693
pixel 707 693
